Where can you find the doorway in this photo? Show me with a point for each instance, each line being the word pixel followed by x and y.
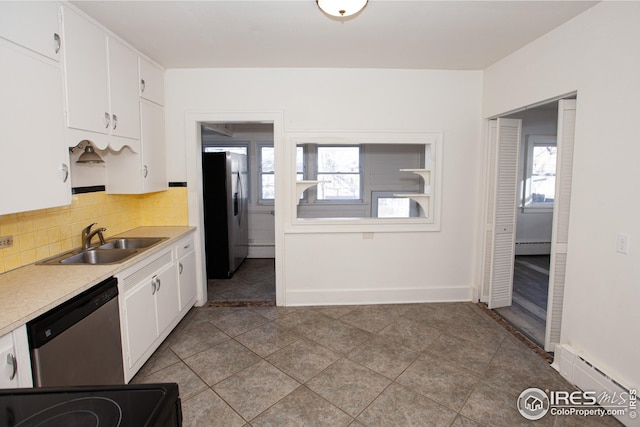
pixel 193 140
pixel 529 188
pixel 534 216
pixel 251 279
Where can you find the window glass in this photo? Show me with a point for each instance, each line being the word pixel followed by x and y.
pixel 339 171
pixel 299 163
pixel 543 174
pixel 540 174
pixel 394 207
pixel 267 169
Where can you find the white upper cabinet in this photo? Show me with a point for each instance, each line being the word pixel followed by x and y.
pixel 101 81
pixel 33 25
pixel 123 84
pixel 151 81
pixel 86 74
pixel 143 172
pixel 35 159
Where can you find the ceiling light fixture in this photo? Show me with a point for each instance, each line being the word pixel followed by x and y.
pixel 341 8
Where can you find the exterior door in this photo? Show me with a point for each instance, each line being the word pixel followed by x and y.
pixel 502 186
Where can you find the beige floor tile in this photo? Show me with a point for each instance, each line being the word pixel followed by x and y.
pixel 268 338
pixel 255 389
pixel 303 359
pixel 302 408
pixel 221 361
pixel 348 385
pixel 207 409
pixel 399 406
pixel 440 381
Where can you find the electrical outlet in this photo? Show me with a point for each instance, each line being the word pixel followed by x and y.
pixel 622 243
pixel 6 242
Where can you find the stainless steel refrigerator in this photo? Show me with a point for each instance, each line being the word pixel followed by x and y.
pixel 225 190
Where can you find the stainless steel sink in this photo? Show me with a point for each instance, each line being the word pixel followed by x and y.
pixel 99 256
pixel 131 243
pixel 113 251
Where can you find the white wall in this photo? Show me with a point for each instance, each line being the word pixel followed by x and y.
pixel 596 54
pixel 345 267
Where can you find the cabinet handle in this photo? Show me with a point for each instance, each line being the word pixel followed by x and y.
pixel 115 122
pixel 159 283
pixel 65 170
pixel 58 44
pixel 13 362
pixel 142 86
pixel 107 120
pixel 154 287
pixel 145 171
pixel 180 267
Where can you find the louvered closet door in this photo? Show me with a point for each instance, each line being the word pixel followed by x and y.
pixel 560 236
pixel 501 212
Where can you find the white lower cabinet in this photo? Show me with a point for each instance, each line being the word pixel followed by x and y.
pixel 187 284
pixel 15 364
pixel 148 307
pixel 155 295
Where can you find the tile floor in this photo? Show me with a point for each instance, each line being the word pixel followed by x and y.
pixel 255 280
pixel 445 364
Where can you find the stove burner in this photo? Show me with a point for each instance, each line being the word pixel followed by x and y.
pixel 83 411
pixel 125 405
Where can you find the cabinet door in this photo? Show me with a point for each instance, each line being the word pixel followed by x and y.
pixel 151 81
pixel 153 147
pixel 167 305
pixel 140 329
pixel 33 25
pixel 8 363
pixel 34 172
pixel 123 84
pixel 187 279
pixel 85 57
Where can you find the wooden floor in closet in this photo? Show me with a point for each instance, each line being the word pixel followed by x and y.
pixel 528 312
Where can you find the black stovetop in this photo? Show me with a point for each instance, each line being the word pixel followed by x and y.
pixel 110 406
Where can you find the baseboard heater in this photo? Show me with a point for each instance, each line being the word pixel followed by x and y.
pixel 588 377
pixel 533 248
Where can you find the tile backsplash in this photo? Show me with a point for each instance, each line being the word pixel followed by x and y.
pixel 43 233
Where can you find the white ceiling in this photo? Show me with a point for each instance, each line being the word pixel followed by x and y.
pixel 416 34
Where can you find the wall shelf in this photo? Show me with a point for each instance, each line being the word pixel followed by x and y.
pixel 422 199
pixel 302 186
pixel 424 173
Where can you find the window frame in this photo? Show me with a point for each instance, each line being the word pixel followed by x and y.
pixel 433 142
pixel 311 172
pixel 260 173
pixel 532 142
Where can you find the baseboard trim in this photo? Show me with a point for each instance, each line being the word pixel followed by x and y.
pixel 377 296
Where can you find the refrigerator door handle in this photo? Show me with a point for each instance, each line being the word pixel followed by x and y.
pixel 241 198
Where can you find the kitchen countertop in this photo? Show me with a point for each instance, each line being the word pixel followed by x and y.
pixel 29 291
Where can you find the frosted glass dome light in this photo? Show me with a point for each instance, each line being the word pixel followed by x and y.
pixel 341 8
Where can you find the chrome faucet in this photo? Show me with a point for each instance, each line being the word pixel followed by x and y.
pixel 87 235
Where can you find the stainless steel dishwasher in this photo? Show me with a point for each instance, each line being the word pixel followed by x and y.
pixel 78 342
